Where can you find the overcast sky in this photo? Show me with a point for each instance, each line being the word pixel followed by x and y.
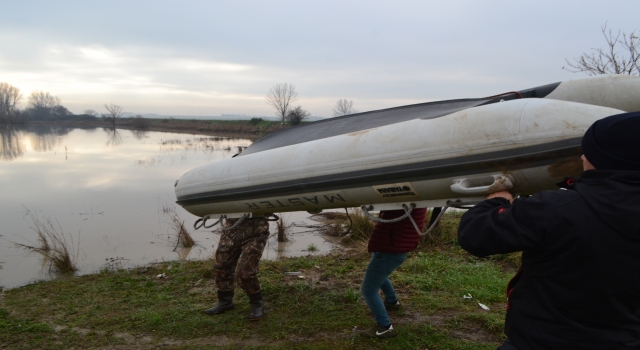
pixel 213 57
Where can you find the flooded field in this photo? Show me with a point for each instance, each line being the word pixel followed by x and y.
pixel 111 194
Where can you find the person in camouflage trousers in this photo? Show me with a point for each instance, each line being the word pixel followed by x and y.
pixel 237 258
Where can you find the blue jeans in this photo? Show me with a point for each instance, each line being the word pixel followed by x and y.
pixel 377 278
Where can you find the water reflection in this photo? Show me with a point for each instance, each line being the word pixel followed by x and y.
pixel 183 252
pixel 15 141
pixel 281 249
pixel 113 137
pixel 43 138
pixel 139 134
pixel 10 145
pixel 148 162
pixel 111 196
pixel 202 144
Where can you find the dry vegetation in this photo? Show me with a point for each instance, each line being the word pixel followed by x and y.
pixel 281 229
pixel 54 246
pixel 182 236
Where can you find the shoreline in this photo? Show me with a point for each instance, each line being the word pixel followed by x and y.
pixel 235 128
pixel 161 304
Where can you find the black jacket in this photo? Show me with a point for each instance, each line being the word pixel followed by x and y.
pixel 579 285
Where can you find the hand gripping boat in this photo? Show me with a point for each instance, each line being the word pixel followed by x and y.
pixel 425 155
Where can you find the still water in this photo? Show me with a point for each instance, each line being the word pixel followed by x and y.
pixel 110 193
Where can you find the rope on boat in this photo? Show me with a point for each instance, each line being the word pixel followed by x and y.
pixel 195 224
pixel 407 213
pixel 203 222
pixel 413 222
pixel 275 217
pixel 450 204
pixel 236 224
pixel 435 222
pixel 210 226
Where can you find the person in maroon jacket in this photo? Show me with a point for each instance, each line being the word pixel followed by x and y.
pixel 389 245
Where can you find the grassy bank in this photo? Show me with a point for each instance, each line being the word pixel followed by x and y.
pixel 129 309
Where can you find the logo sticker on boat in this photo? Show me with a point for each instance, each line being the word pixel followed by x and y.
pixel 396 190
pixel 282 202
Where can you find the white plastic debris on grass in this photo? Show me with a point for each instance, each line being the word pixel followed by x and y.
pixel 467 296
pixel 485 307
pixel 162 275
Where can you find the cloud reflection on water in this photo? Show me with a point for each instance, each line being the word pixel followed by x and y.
pixel 61 172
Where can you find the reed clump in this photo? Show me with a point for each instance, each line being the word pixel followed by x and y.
pixel 333 229
pixel 56 248
pixel 182 236
pixel 281 229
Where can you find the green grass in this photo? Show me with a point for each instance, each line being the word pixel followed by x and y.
pixel 134 309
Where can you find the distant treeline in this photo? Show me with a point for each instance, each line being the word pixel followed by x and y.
pixel 42 106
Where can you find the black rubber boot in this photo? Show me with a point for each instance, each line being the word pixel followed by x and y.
pixel 255 301
pixel 225 302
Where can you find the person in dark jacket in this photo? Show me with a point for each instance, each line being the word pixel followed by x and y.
pixel 388 245
pixel 579 284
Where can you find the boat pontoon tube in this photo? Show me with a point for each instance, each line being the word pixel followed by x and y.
pixel 524 145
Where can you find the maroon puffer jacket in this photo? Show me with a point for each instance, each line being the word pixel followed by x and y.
pixel 398 237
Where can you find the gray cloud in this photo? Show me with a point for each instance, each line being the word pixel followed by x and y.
pixel 222 57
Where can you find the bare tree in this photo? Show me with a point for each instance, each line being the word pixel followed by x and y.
pixel 42 104
pixel 343 107
pixel 610 60
pixel 113 112
pixel 9 97
pixel 297 115
pixel 41 99
pixel 90 112
pixel 280 97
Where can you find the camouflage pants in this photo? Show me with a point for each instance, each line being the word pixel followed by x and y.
pixel 238 255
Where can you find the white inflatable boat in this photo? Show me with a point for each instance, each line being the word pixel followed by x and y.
pixel 431 154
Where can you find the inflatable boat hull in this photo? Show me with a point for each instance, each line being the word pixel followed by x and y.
pixel 524 145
